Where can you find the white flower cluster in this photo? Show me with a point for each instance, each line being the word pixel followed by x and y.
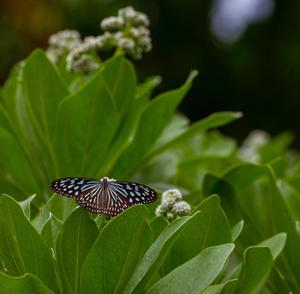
pixel 172 205
pixel 77 59
pixel 250 147
pixel 128 31
pixel 61 43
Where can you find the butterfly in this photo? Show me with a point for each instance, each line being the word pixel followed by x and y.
pixel 106 195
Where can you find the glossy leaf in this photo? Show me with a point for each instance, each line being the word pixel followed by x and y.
pixel 208 228
pixel 237 230
pixel 196 274
pixel 116 252
pixel 158 225
pixel 212 121
pixel 77 237
pixel 89 118
pixel 25 205
pixel 154 257
pixel 61 207
pixel 51 230
pixel 25 284
pixel 255 274
pixel 22 250
pixel 152 122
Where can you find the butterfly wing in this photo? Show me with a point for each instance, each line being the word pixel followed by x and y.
pixel 133 193
pixel 74 187
pixel 110 200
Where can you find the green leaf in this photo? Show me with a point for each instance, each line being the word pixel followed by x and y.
pixel 144 90
pixel 22 250
pixel 196 274
pixel 220 288
pixel 276 147
pixel 291 197
pixel 77 237
pixel 26 284
pixel 152 122
pixel 154 257
pixel 89 118
pixel 275 244
pixel 18 122
pixel 158 224
pixel 51 231
pixel 237 229
pixel 120 78
pixel 61 207
pixel 44 90
pixel 250 192
pixel 116 252
pixel 16 165
pixel 214 120
pixel 258 263
pixel 25 205
pixel 208 228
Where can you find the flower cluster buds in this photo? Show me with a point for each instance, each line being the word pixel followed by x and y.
pixel 172 205
pixel 129 29
pixel 126 32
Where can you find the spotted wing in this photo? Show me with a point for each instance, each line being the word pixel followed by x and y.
pixel 116 197
pixel 133 193
pixel 74 187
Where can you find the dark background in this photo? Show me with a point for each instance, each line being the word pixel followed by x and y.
pixel 258 74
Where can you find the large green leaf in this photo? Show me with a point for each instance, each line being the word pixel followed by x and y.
pixel 26 205
pixel 154 257
pixel 15 165
pixel 17 121
pixel 61 207
pixel 196 274
pixel 208 228
pixel 77 237
pixel 116 252
pixel 51 230
pixel 27 284
pixel 214 120
pixel 237 230
pixel 152 122
pixel 257 266
pixel 223 288
pixel 120 78
pixel 251 192
pixel 85 126
pixel 158 224
pixel 22 250
pixel 44 90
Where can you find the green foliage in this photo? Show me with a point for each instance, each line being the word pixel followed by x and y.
pixel 243 234
pixel 126 255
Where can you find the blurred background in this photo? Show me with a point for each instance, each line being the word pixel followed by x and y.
pixel 247 51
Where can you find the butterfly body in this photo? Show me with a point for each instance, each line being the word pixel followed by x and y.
pixel 106 195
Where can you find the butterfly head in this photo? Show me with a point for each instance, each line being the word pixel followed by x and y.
pixel 106 180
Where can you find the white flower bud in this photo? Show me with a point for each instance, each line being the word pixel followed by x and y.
pixel 137 32
pixel 67 39
pixel 170 216
pixel 85 64
pixel 128 13
pixel 141 19
pixel 112 23
pixel 126 44
pixel 169 197
pixel 181 208
pixel 160 211
pixel 145 43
